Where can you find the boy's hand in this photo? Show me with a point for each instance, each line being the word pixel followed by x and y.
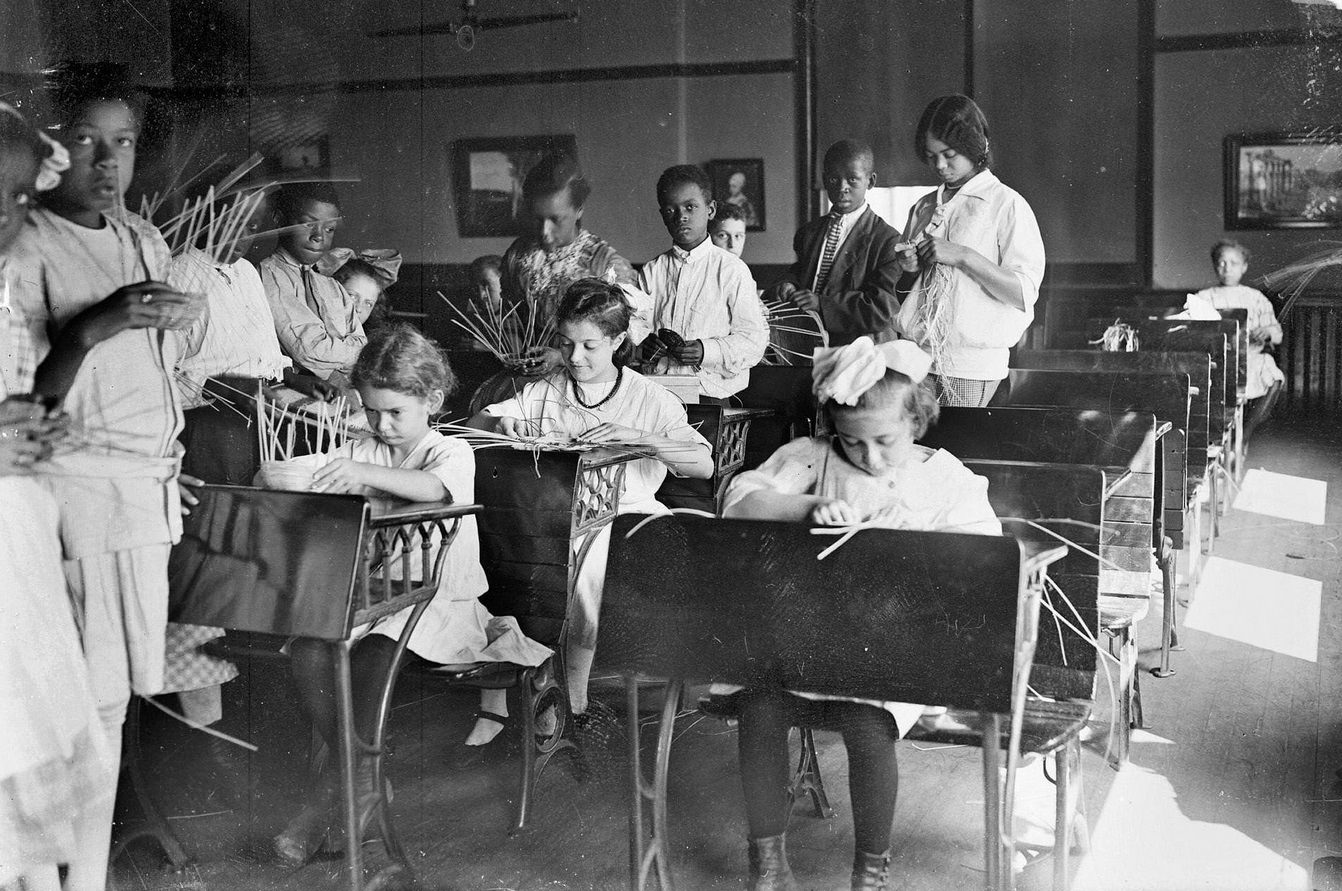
pixel 311 385
pixel 834 512
pixel 782 291
pixel 806 299
pixel 907 254
pixel 341 477
pixel 690 352
pixel 185 486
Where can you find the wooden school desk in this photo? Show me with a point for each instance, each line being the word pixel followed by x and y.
pixel 930 617
pixel 301 564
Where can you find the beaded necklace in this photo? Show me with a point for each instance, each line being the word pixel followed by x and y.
pixel 577 394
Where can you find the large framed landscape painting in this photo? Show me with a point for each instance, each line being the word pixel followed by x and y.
pixel 487 175
pixel 1283 180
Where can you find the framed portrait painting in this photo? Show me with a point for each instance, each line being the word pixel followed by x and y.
pixel 1283 180
pixel 740 181
pixel 487 175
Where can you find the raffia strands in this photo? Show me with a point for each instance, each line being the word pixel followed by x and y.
pixel 1292 279
pixel 1120 337
pixel 508 334
pixel 933 318
pixel 790 326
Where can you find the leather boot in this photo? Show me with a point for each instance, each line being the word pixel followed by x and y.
pixel 869 870
pixel 768 865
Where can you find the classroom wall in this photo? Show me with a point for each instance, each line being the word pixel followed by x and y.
pixel 1058 82
pixel 1200 98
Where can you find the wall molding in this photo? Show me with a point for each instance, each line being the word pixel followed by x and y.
pixel 1186 43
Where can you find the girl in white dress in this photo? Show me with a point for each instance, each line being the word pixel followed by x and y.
pixel 596 400
pixel 869 471
pixel 403 379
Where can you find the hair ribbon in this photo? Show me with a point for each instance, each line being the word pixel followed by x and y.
pixel 844 373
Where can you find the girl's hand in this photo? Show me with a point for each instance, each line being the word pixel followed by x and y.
pixel 939 250
pixel 342 476
pixel 834 512
pixel 185 486
pixel 26 436
pixel 608 432
pixel 514 427
pixel 146 304
pixel 907 254
pixel 540 361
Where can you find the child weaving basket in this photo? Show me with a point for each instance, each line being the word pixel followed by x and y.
pixel 596 400
pixel 870 471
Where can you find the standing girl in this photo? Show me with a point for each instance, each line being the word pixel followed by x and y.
pixel 869 471
pixel 538 267
pixel 54 761
pixel 973 260
pixel 115 482
pixel 596 399
pixel 403 379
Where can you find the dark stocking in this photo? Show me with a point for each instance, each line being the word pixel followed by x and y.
pixel 314 676
pixel 873 771
pixel 763 727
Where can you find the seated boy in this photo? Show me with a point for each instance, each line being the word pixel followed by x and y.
pixel 707 319
pixel 314 315
pixel 728 228
pixel 846 267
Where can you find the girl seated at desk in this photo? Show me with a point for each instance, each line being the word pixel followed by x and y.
pixel 871 472
pixel 595 400
pixel 403 379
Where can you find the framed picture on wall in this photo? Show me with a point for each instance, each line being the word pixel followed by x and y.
pixel 487 175
pixel 1283 180
pixel 311 156
pixel 740 181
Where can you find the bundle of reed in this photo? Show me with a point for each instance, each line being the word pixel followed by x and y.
pixel 1120 337
pixel 1292 279
pixel 509 334
pixel 791 323
pixel 539 442
pixel 324 427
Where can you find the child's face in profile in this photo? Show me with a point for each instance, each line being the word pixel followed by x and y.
pixel 101 140
pixel 399 419
pixel 1230 267
pixel 489 292
pixel 253 235
pixel 18 173
pixel 686 211
pixel 312 232
pixel 730 235
pixel 953 168
pixel 556 220
pixel 365 293
pixel 875 441
pixel 846 183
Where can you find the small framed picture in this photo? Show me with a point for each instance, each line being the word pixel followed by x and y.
pixel 487 175
pixel 1283 180
pixel 303 157
pixel 740 181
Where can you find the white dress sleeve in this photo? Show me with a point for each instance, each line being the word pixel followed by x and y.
pixel 792 470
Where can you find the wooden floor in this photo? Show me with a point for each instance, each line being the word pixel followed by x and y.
pixel 1233 785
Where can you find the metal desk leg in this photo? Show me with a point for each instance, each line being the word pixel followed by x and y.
pixel 152 823
pixel 1170 583
pixel 998 874
pixel 348 741
pixel 645 853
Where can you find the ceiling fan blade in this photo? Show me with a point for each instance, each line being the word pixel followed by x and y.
pixel 519 20
pixel 416 30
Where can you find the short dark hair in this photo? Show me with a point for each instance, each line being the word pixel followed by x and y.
pixel 401 359
pixel 897 390
pixel 957 121
pixel 72 86
pixel 726 211
pixel 849 150
pixel 1229 244
pixel 488 261
pixel 603 304
pixel 684 174
pixel 554 173
pixel 291 197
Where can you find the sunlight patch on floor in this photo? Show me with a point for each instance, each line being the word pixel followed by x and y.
pixel 1283 495
pixel 1260 607
pixel 1142 841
